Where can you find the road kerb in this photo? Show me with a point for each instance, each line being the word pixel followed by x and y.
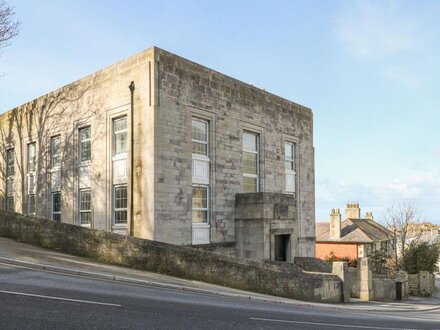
pixel 128 280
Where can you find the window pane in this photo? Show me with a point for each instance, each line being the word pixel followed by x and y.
pixel 85 218
pixel 10 159
pixel 31 204
pixel 249 184
pixel 120 197
pixel 85 200
pixel 56 151
pixel 121 143
pixel 31 157
pixel 200 148
pixel 56 217
pixel 84 134
pixel 249 163
pixel 120 217
pixel 199 216
pixel 288 148
pixel 289 165
pixel 199 198
pixel 85 144
pixel 249 141
pixel 120 124
pixel 199 130
pixel 10 204
pixel 56 202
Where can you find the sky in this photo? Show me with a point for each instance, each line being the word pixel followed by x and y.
pixel 369 70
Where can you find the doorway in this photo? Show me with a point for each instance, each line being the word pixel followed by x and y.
pixel 281 247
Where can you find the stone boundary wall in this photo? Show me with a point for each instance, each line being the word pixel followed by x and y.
pixel 266 278
pixel 311 264
pixel 422 284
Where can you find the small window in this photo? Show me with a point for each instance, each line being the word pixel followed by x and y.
pixel 120 135
pixel 56 206
pixel 10 169
pixel 31 204
pixel 200 204
pixel 120 204
pixel 31 157
pixel 55 151
pixel 85 144
pixel 250 162
pixel 10 204
pixel 85 207
pixel 200 137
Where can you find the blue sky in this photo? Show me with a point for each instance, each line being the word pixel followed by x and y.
pixel 370 70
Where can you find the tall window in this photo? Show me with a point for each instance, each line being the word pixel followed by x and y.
pixel 250 162
pixel 31 157
pixel 56 206
pixel 199 137
pixel 85 207
pixel 290 168
pixel 120 204
pixel 55 151
pixel 85 144
pixel 10 159
pixel 120 135
pixel 10 204
pixel 200 204
pixel 31 204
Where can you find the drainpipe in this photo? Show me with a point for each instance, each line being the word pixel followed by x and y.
pixel 131 229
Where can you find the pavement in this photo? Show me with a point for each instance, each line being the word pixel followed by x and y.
pixel 31 257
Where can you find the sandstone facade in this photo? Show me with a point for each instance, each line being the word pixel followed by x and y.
pixel 168 93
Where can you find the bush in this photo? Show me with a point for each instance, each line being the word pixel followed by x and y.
pixel 331 258
pixel 420 257
pixel 379 260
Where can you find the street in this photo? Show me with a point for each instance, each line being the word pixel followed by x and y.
pixel 33 299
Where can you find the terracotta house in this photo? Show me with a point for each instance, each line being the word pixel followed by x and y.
pixel 355 237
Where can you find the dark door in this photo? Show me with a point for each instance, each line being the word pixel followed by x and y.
pixel 281 246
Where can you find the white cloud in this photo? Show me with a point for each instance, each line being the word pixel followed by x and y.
pixel 372 29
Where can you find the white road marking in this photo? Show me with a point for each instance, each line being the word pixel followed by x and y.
pixel 59 298
pixel 327 324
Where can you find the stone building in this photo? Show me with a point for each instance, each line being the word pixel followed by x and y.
pixel 162 148
pixel 355 237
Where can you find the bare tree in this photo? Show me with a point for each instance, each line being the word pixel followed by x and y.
pixel 401 218
pixel 9 26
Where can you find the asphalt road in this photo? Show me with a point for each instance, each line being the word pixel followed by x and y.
pixel 32 299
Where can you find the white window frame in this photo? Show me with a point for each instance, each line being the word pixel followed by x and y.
pixel 206 123
pixel 52 155
pixel 115 133
pixel 88 140
pixel 81 211
pixel 201 209
pixel 29 204
pixel 292 160
pixel 119 209
pixel 52 205
pixel 257 152
pixel 10 165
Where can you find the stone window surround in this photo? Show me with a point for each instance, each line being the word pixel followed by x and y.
pixel 112 114
pixel 210 117
pixel 252 128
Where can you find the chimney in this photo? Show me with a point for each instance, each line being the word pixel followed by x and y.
pixel 352 211
pixel 369 215
pixel 335 224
